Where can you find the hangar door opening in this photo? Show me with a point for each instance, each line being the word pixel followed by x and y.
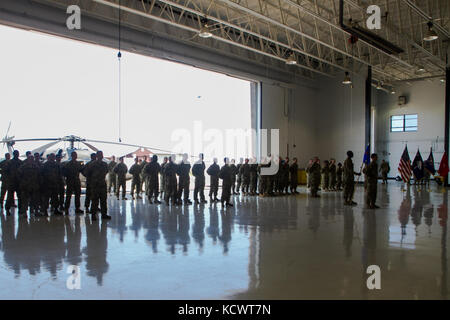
pixel 54 87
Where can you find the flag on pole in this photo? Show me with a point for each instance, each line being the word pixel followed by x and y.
pixel 443 167
pixel 366 159
pixel 404 166
pixel 417 167
pixel 429 163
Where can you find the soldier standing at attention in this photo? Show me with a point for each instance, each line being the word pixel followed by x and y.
pixel 332 174
pixel 51 173
pixel 99 193
pixel 349 180
pixel 13 182
pixel 61 185
pixel 314 174
pixel 285 176
pixel 239 176
pixel 198 171
pixel 225 174
pixel 162 178
pixel 152 171
pixel 326 175
pixel 87 198
pixel 245 174
pixel 135 171
pixel 40 195
pixel 253 177
pixel 339 172
pixel 72 170
pixel 233 176
pixel 144 177
pixel 294 176
pixel 170 172
pixel 4 181
pixel 371 172
pixel 183 171
pixel 29 185
pixel 213 172
pixel 310 163
pixel 121 170
pixel 384 168
pixel 112 177
pixel 262 178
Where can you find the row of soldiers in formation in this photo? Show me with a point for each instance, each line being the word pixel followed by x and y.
pixel 161 179
pixel 334 178
pixel 43 185
pixel 40 185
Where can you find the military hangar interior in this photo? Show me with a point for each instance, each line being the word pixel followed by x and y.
pixel 332 76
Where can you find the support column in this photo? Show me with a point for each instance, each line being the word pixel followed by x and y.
pixel 447 115
pixel 368 105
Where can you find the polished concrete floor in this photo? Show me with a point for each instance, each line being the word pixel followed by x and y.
pixel 291 247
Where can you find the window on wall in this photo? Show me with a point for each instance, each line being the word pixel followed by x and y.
pixel 404 123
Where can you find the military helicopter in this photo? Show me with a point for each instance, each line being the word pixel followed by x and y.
pixel 84 154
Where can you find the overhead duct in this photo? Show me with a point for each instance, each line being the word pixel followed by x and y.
pixel 367 36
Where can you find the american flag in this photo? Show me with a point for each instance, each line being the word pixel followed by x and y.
pixel 404 166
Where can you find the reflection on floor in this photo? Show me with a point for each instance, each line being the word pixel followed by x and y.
pixel 292 247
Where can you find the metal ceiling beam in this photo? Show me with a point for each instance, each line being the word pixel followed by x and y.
pixel 427 17
pixel 283 26
pixel 196 31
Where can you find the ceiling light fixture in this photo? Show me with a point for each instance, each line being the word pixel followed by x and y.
pixel 431 35
pixel 204 31
pixel 291 60
pixel 347 79
pixel 379 86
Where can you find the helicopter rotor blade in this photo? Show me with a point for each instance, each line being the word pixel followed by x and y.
pixel 129 145
pixel 90 146
pixel 24 140
pixel 41 149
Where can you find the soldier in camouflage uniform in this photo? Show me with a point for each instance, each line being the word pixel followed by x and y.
pixel 234 171
pixel 339 172
pixel 144 177
pixel 371 172
pixel 121 170
pixel 112 177
pixel 332 170
pixel 162 178
pixel 245 176
pixel 135 171
pixel 198 171
pixel 11 170
pixel 29 185
pixel 72 170
pixel 152 171
pixel 326 175
pixel 384 168
pixel 87 199
pixel 349 179
pixel 213 172
pixel 97 172
pixel 293 169
pixel 253 177
pixel 285 176
pixel 183 171
pixel 4 182
pixel 314 173
pixel 239 176
pixel 40 193
pixel 170 173
pixel 225 174
pixel 51 174
pixel 61 184
pixel 262 178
